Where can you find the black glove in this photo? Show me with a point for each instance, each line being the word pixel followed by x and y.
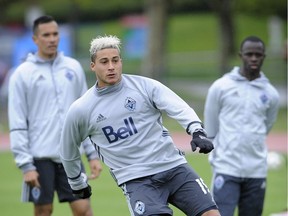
pixel 83 193
pixel 200 140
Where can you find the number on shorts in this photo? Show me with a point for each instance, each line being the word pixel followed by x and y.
pixel 202 185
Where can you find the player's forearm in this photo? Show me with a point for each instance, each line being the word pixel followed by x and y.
pixel 20 149
pixel 89 150
pixel 70 156
pixel 76 179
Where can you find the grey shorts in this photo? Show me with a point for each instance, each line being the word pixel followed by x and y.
pixel 179 186
pixel 246 193
pixel 52 177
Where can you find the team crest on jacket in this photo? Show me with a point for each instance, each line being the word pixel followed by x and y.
pixel 264 98
pixel 130 104
pixel 69 75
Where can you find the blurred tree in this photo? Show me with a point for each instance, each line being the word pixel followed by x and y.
pixel 95 10
pixel 263 7
pixel 154 64
pixel 4 5
pixel 225 10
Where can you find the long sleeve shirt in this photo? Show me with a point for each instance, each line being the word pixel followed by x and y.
pixel 40 93
pixel 238 115
pixel 124 122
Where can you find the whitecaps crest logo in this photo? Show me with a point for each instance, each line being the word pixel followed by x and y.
pixel 69 75
pixel 264 98
pixel 36 193
pixel 130 104
pixel 219 182
pixel 139 207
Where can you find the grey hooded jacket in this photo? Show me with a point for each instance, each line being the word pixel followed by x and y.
pixel 40 93
pixel 238 116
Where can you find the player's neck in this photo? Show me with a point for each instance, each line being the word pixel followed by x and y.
pixel 250 75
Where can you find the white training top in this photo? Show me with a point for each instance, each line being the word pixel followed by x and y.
pixel 40 93
pixel 239 114
pixel 124 122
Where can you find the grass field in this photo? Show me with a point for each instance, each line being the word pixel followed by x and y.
pixel 107 198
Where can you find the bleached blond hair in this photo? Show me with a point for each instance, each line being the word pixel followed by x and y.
pixel 103 42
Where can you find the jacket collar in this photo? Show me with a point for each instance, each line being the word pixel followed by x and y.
pixel 259 82
pixel 34 57
pixel 108 89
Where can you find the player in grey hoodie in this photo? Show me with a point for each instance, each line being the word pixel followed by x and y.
pixel 240 110
pixel 40 92
pixel 121 115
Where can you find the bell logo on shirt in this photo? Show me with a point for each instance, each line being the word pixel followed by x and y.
pixel 113 135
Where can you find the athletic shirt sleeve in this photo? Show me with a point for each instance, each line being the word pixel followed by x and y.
pixel 273 108
pixel 166 100
pixel 18 123
pixel 211 111
pixel 88 148
pixel 71 139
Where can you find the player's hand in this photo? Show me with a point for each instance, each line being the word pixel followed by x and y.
pixel 201 141
pixel 31 178
pixel 83 193
pixel 95 168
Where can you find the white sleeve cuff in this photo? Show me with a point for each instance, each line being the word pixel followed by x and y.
pixel 195 127
pixel 79 183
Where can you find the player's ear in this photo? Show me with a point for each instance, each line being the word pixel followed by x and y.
pixel 92 64
pixel 34 38
pixel 240 54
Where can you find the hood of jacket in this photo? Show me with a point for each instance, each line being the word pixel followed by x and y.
pixel 34 57
pixel 234 74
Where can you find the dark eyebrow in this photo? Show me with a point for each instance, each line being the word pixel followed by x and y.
pixel 53 33
pixel 253 53
pixel 115 57
pixel 103 59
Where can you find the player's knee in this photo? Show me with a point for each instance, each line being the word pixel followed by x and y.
pixel 83 212
pixel 81 208
pixel 160 215
pixel 212 212
pixel 87 212
pixel 43 210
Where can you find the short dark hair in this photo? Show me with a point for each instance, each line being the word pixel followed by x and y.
pixel 41 20
pixel 252 39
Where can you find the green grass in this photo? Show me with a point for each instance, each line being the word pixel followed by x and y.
pixel 107 198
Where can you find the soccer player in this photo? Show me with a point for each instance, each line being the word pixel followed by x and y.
pixel 40 92
pixel 240 110
pixel 121 114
